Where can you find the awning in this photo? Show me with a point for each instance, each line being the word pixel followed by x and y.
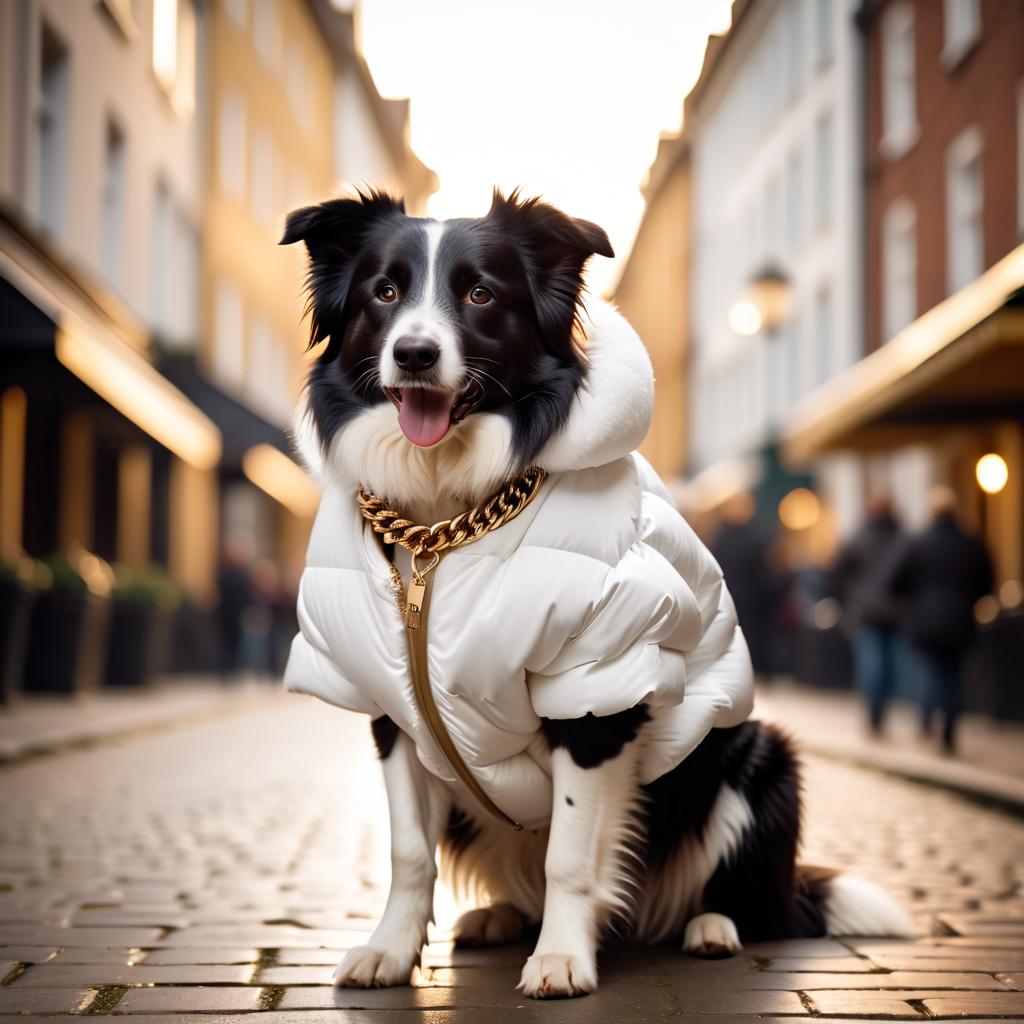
pixel 961 362
pixel 252 445
pixel 241 427
pixel 107 354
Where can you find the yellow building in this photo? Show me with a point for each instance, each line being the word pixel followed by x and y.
pixel 653 295
pixel 292 113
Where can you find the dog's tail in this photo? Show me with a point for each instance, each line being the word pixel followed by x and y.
pixel 850 905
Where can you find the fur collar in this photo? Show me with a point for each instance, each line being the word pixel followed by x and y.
pixel 609 418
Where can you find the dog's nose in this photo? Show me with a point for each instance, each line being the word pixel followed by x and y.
pixel 414 353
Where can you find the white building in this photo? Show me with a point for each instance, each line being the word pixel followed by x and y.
pixel 100 198
pixel 774 125
pixel 100 144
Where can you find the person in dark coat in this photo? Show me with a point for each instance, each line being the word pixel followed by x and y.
pixel 742 550
pixel 871 614
pixel 941 574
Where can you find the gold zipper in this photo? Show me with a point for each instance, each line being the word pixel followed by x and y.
pixel 414 606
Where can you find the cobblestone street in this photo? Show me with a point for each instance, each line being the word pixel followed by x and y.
pixel 221 868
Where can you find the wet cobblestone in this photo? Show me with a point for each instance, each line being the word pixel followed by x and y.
pixel 221 869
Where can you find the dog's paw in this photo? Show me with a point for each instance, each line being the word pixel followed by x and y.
pixel 367 967
pixel 712 936
pixel 489 926
pixel 557 976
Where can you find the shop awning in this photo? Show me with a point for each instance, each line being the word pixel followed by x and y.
pixel 107 353
pixel 961 362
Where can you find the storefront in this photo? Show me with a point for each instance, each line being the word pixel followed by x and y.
pixel 951 383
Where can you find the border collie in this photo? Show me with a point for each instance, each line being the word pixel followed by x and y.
pixel 453 357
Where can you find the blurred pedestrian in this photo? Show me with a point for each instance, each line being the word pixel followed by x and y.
pixel 233 587
pixel 870 611
pixel 742 550
pixel 941 573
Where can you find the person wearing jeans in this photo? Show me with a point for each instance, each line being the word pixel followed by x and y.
pixel 870 615
pixel 941 574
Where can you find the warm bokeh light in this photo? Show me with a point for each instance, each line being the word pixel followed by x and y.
pixel 992 473
pixel 566 99
pixel 800 509
pixel 275 474
pixel 745 317
pixel 130 384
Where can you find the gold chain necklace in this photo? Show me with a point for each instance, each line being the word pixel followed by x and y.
pixel 464 528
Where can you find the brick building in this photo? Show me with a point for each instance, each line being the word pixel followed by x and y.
pixel 940 393
pixel 939 105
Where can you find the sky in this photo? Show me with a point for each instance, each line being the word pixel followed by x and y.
pixel 565 98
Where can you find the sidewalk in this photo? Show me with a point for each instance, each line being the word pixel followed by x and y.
pixel 42 724
pixel 989 764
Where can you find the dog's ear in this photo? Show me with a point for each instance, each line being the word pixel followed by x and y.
pixel 334 232
pixel 557 248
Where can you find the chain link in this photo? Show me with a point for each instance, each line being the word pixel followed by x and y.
pixel 465 528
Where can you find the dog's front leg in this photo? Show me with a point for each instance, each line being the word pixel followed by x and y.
pixel 596 792
pixel 418 808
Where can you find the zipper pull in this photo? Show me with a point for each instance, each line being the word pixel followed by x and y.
pixel 414 602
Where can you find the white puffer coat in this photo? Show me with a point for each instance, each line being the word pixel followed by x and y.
pixel 596 597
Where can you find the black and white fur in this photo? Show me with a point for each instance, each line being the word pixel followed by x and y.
pixel 395 299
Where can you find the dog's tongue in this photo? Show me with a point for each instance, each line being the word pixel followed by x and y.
pixel 425 415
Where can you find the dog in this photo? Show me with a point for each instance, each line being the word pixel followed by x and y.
pixel 586 662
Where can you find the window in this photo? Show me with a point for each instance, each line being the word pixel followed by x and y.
pixel 174 52
pixel 899 268
pixel 962 25
pixel 793 14
pixel 266 35
pixel 259 379
pixel 112 202
pixel 773 218
pixel 822 31
pixel 51 131
pixel 238 11
pixel 161 255
pixel 899 98
pixel 231 145
pixel 794 198
pixel 1020 158
pixel 964 204
pixel 229 335
pixel 822 170
pixel 263 175
pixel 823 334
pixel 297 86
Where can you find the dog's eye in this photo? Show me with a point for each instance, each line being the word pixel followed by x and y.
pixel 387 293
pixel 480 295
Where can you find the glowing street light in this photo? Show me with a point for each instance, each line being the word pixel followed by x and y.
pixel 745 318
pixel 992 473
pixel 764 304
pixel 799 510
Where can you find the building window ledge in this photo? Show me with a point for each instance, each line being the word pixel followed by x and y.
pixel 895 145
pixel 955 52
pixel 119 12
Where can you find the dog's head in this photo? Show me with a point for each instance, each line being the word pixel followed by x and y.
pixel 445 319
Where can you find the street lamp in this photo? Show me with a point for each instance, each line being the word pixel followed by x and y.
pixel 764 303
pixel 992 473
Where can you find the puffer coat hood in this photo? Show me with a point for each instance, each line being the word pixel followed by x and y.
pixel 597 597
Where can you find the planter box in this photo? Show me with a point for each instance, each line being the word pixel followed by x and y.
pixel 16 602
pixel 130 650
pixel 67 638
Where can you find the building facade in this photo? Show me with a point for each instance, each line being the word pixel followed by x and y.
pixel 294 119
pixel 774 124
pixel 943 380
pixel 152 343
pixel 653 294
pixel 101 191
